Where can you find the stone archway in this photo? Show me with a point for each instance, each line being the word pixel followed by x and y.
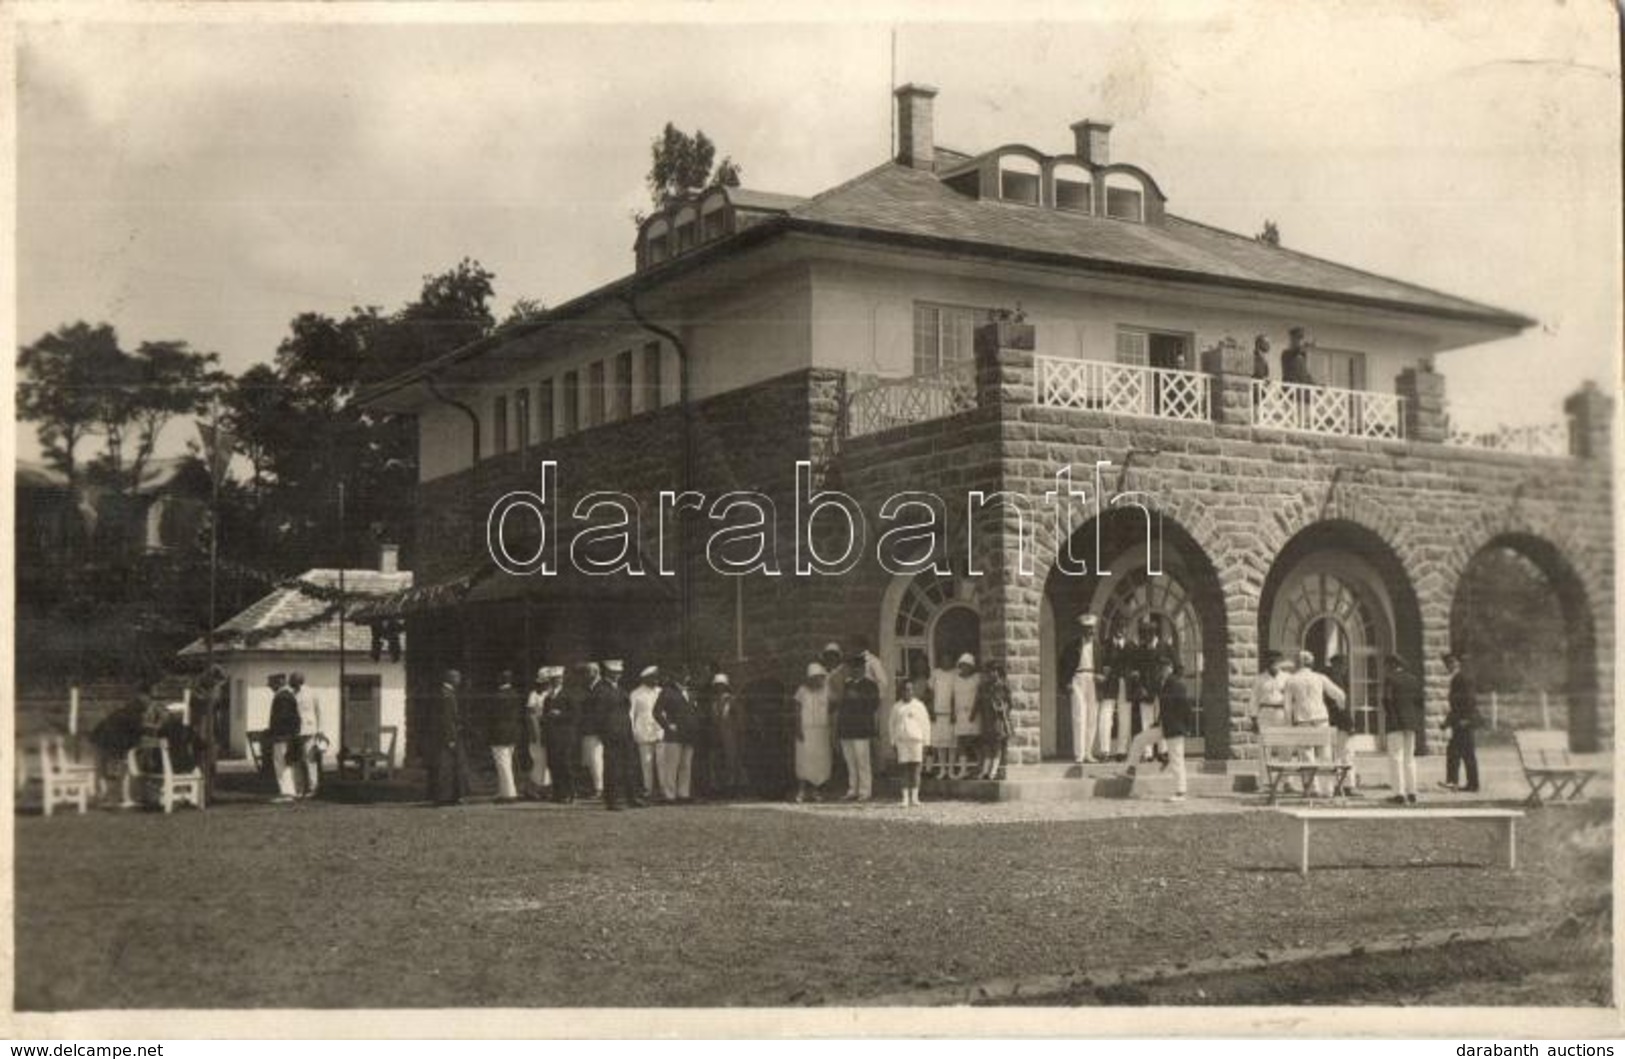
pixel 1521 613
pixel 1178 589
pixel 1337 588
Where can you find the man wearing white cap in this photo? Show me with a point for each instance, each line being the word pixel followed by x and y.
pixel 1080 673
pixel 645 729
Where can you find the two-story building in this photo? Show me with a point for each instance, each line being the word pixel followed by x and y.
pixel 872 332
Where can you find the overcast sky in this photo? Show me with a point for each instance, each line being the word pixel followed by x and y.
pixel 210 181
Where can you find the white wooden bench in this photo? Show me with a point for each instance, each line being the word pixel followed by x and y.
pixel 1305 751
pixel 1549 767
pixel 1509 817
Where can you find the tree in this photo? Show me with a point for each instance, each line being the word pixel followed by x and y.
pixel 61 389
pixel 160 381
pixel 1271 234
pixel 522 311
pixel 681 164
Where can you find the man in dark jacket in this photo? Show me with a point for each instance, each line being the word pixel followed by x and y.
pixel 679 720
pixel 856 722
pixel 504 724
pixel 611 711
pixel 448 749
pixel 1172 725
pixel 1402 714
pixel 281 733
pixel 561 735
pixel 1460 722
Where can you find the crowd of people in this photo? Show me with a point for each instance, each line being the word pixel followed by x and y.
pixel 659 735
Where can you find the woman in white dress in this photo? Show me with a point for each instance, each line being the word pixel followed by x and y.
pixel 942 717
pixel 814 756
pixel 967 730
pixel 646 731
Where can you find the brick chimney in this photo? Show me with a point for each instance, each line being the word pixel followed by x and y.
pixel 389 558
pixel 916 138
pixel 1094 141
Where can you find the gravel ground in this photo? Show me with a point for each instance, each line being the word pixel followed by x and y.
pixel 333 906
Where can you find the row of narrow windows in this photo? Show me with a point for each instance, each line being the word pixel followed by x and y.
pixel 579 399
pixel 1020 180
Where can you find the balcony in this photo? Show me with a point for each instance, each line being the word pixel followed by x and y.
pixel 1466 430
pixel 892 403
pixel 1313 409
pixel 1124 389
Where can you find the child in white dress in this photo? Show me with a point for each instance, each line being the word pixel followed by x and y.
pixel 910 728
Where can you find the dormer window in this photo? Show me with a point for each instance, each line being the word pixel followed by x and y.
pixel 655 247
pixel 687 229
pixel 713 217
pixel 1018 180
pixel 1074 190
pixel 1125 198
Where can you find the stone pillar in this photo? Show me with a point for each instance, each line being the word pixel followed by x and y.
pixel 1422 389
pixel 1591 423
pixel 1009 601
pixel 1232 396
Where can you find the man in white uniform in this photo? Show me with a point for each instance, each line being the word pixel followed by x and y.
pixel 1081 692
pixel 1306 695
pixel 310 727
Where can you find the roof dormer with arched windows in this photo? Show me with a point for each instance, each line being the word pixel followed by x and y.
pixel 696 220
pixel 1085 182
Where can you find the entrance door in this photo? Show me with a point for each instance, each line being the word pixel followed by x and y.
pixel 1327 614
pixel 362 711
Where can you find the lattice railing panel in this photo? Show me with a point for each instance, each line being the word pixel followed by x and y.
pixel 1328 410
pixel 915 399
pixel 1537 439
pixel 1123 389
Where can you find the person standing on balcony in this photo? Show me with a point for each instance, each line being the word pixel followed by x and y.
pixel 1402 710
pixel 1261 358
pixel 1080 671
pixel 1460 721
pixel 1295 358
pixel 1114 664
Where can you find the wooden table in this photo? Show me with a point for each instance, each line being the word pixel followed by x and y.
pixel 1509 817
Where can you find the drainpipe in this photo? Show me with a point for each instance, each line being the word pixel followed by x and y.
pixel 473 488
pixel 685 585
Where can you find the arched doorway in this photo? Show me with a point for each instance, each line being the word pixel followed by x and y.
pixel 1182 598
pixel 926 616
pixel 1337 589
pixel 1521 615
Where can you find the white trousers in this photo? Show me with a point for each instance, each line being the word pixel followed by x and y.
pixel 592 759
pixel 859 778
pixel 1402 755
pixel 538 766
pixel 676 770
pixel 649 759
pixel 1174 745
pixel 1085 717
pixel 1121 709
pixel 502 758
pixel 282 766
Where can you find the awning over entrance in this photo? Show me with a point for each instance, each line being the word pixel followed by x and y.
pixel 422 599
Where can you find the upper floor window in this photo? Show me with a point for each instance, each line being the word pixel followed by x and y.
pixel 651 377
pixel 1125 198
pixel 621 404
pixel 1338 367
pixel 544 406
pixel 521 416
pixel 1154 349
pixel 713 217
pixel 944 335
pixel 1073 188
pixel 595 393
pixel 1018 179
pixel 655 241
pixel 687 225
pixel 570 415
pixel 499 425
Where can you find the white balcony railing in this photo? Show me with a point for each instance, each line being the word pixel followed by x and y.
pixel 894 403
pixel 1123 389
pixel 1537 439
pixel 1328 410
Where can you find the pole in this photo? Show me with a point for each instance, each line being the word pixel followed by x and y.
pixel 1495 710
pixel 343 562
pixel 1545 710
pixel 73 710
